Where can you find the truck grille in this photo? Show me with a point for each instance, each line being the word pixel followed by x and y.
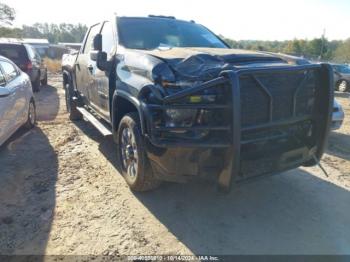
pixel 267 100
pixel 268 97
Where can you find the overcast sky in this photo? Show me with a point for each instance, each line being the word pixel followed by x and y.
pixel 245 19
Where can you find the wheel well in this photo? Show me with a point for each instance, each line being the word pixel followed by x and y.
pixel 341 80
pixel 32 100
pixel 121 107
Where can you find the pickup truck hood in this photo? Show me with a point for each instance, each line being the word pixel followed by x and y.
pixel 194 63
pixel 208 62
pixel 182 53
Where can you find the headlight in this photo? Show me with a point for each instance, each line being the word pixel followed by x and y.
pixel 207 96
pixel 185 118
pixel 180 117
pixel 190 117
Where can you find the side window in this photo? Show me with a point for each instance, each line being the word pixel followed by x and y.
pixel 9 70
pixel 30 52
pixel 107 38
pixel 89 40
pixel 2 79
pixel 36 55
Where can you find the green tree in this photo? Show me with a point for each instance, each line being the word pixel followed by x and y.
pixel 7 14
pixel 317 48
pixel 31 32
pixel 10 32
pixel 56 32
pixel 293 47
pixel 342 53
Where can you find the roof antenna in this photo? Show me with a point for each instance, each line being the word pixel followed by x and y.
pixel 320 166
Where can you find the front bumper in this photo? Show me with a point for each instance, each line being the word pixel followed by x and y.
pixel 237 142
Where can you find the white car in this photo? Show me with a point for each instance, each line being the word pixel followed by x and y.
pixel 17 105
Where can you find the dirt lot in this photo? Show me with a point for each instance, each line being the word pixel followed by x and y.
pixel 61 193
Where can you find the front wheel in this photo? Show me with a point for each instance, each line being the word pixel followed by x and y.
pixel 31 118
pixel 71 105
pixel 343 86
pixel 136 169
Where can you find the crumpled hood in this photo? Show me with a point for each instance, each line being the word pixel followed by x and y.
pixel 226 53
pixel 191 63
pixel 208 62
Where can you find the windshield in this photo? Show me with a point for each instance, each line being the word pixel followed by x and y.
pixel 16 53
pixel 152 33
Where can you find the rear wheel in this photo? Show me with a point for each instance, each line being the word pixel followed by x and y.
pixel 71 105
pixel 36 85
pixel 44 81
pixel 31 120
pixel 343 86
pixel 136 169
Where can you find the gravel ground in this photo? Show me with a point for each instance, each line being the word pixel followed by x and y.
pixel 61 193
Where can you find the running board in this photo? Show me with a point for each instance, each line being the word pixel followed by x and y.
pixel 94 121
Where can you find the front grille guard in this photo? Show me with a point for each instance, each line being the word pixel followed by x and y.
pixel 170 102
pixel 322 118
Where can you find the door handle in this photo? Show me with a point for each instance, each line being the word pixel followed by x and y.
pixel 90 67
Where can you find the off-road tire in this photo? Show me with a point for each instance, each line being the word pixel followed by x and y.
pixel 36 85
pixel 71 105
pixel 144 180
pixel 31 118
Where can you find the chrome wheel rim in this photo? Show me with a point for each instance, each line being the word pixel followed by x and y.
pixel 129 153
pixel 342 86
pixel 31 114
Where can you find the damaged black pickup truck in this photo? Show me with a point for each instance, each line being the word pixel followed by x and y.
pixel 181 104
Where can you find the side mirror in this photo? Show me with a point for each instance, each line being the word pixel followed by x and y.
pixel 97 42
pixel 93 55
pixel 101 61
pixel 4 92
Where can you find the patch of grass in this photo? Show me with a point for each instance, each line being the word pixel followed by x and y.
pixel 53 65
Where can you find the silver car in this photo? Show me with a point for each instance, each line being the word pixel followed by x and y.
pixel 17 105
pixel 338 115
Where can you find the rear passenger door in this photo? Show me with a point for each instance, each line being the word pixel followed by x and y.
pixel 85 66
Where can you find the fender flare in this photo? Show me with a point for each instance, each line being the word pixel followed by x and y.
pixel 67 73
pixel 133 100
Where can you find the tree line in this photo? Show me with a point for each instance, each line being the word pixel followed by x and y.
pixel 315 49
pixel 53 32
